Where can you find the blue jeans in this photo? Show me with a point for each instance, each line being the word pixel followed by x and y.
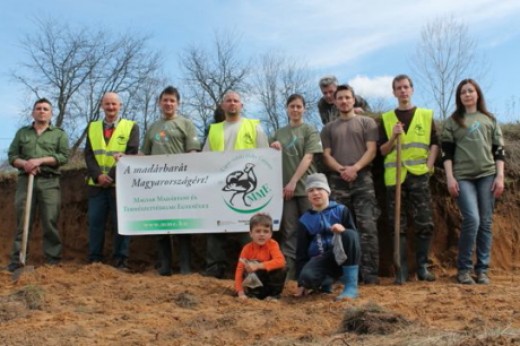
pixel 322 266
pixel 476 203
pixel 100 206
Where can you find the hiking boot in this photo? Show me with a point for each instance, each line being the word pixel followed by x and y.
pixel 122 265
pixel 13 266
pixel 482 278
pixel 164 250
pixel 370 279
pixel 424 274
pixel 326 285
pixel 53 261
pixel 164 270
pixel 463 277
pixel 327 289
pixel 217 271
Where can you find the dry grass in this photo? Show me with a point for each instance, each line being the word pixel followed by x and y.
pixel 32 295
pixel 372 319
pixel 420 336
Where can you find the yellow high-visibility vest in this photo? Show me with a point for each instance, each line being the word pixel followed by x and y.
pixel 415 145
pixel 103 152
pixel 246 137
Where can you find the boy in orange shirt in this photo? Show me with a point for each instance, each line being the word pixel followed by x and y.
pixel 263 257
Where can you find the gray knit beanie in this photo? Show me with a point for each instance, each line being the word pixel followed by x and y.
pixel 317 180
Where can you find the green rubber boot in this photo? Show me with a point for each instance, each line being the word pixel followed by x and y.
pixel 423 247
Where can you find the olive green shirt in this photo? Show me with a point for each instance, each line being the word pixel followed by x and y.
pixel 473 157
pixel 296 143
pixel 51 142
pixel 173 136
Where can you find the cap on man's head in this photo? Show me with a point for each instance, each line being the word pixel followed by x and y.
pixel 317 181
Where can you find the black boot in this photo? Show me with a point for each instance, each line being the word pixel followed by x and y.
pixel 401 276
pixel 164 248
pixel 184 253
pixel 423 247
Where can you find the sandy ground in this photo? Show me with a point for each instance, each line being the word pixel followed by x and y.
pixel 76 304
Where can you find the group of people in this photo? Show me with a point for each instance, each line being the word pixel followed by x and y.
pixel 329 224
pixel 330 231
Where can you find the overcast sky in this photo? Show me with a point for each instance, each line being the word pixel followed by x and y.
pixel 364 43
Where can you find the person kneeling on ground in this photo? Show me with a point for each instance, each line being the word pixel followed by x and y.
pixel 261 268
pixel 328 243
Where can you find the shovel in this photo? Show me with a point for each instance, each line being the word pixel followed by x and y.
pixel 25 236
pixel 397 218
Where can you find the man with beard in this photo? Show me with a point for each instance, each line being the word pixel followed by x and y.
pixel 234 133
pixel 349 146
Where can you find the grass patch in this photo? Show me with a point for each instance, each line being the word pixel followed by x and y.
pixel 372 319
pixel 33 296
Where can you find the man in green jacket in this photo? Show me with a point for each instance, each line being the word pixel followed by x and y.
pixel 38 150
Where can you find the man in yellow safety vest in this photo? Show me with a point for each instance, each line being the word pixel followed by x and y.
pixel 234 133
pixel 107 141
pixel 420 147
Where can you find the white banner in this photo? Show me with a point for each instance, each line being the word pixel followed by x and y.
pixel 208 192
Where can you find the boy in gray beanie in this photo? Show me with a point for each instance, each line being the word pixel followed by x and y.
pixel 316 261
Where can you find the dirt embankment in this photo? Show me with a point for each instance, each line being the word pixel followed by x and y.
pixel 73 226
pixel 79 304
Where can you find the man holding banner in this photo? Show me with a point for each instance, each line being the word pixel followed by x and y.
pixel 173 134
pixel 235 133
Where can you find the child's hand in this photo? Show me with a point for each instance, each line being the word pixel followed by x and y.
pixel 253 267
pixel 337 228
pixel 242 295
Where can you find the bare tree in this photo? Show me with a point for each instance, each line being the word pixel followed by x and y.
pixel 145 101
pixel 209 74
pixel 512 109
pixel 379 105
pixel 277 78
pixel 445 54
pixel 74 68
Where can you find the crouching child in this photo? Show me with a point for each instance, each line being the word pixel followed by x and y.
pixel 328 243
pixel 261 268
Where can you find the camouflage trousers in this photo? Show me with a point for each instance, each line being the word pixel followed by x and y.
pixel 415 199
pixel 359 196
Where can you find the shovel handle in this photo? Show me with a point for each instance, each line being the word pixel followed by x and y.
pixel 27 219
pixel 397 216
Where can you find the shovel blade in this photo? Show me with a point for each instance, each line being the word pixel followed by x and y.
pixel 23 269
